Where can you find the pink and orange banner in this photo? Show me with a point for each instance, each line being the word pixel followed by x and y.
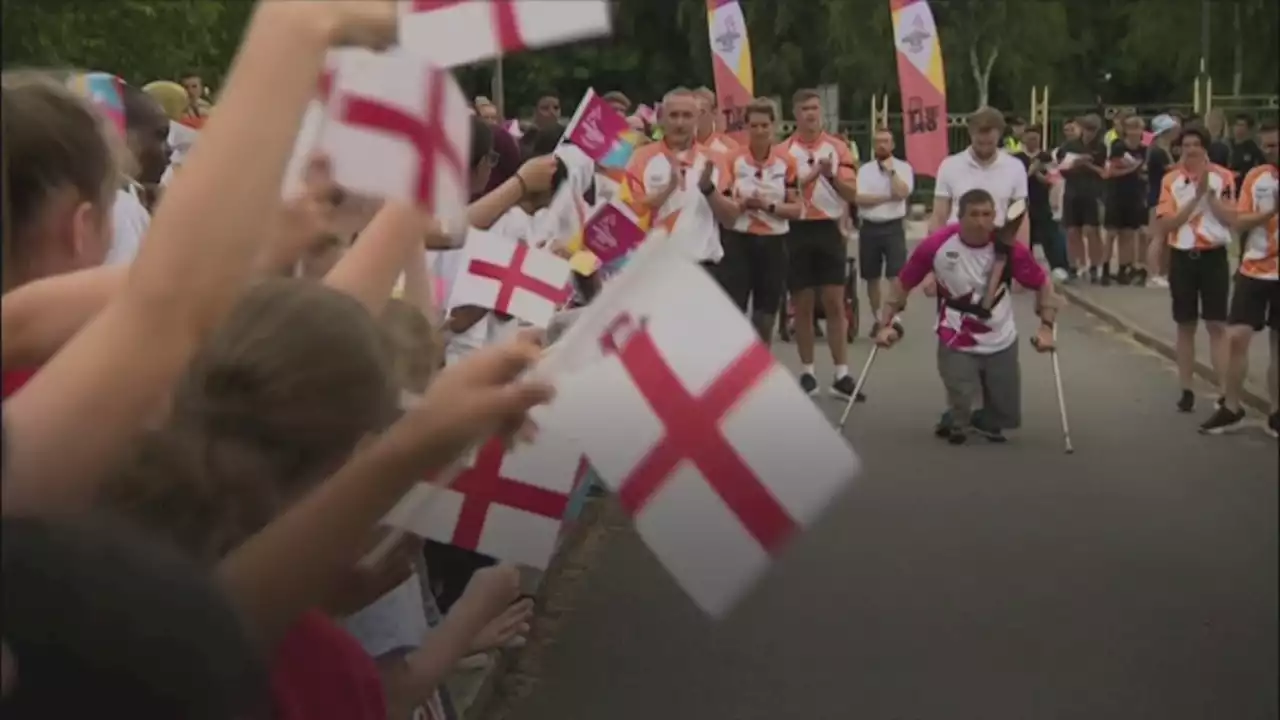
pixel 922 84
pixel 731 61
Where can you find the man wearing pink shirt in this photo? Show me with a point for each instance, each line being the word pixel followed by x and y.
pixel 977 348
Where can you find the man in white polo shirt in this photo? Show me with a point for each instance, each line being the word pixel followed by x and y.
pixel 883 189
pixel 981 166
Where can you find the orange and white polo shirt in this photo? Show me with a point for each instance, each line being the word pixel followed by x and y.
pixel 686 214
pixel 768 181
pixel 820 199
pixel 1203 230
pixel 1258 195
pixel 720 143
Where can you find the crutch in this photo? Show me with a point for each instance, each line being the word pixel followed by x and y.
pixel 1062 400
pixel 857 388
pixel 862 376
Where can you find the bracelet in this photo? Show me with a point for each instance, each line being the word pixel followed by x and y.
pixel 706 189
pixel 524 189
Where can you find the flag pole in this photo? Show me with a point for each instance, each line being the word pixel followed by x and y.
pixel 497 87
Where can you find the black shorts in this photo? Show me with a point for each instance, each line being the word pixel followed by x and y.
pixel 1255 303
pixel 1080 210
pixel 1199 283
pixel 816 255
pixel 882 249
pixel 1125 213
pixel 753 269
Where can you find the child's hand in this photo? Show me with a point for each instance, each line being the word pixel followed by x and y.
pixel 491 591
pixel 478 397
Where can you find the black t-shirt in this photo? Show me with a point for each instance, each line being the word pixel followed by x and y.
pixel 1158 161
pixel 1245 156
pixel 1132 186
pixel 1081 180
pixel 1037 192
pixel 1219 153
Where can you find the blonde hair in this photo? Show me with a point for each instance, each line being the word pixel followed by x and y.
pixel 52 140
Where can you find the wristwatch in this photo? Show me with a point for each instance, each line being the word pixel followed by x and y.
pixel 706 190
pixel 773 208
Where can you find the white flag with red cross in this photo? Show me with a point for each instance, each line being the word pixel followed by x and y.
pixel 313 123
pixel 458 32
pixel 511 277
pixel 708 441
pixel 507 504
pixel 398 129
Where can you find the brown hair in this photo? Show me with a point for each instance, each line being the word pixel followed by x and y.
pixel 275 401
pixel 413 346
pixel 762 106
pixel 985 118
pixel 804 95
pixel 52 140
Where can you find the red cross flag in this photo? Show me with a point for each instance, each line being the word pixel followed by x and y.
pixel 508 505
pixel 709 443
pixel 398 129
pixel 458 32
pixel 312 124
pixel 511 277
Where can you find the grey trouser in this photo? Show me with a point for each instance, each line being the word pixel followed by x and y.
pixel 995 378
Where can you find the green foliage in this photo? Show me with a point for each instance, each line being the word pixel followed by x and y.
pixel 1150 47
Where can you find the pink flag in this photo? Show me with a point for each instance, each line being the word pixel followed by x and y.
pixel 596 128
pixel 922 84
pixel 647 114
pixel 611 233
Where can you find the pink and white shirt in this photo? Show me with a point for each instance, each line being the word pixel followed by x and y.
pixel 962 272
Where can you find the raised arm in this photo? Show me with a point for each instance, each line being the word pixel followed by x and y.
pixel 368 271
pixel 199 251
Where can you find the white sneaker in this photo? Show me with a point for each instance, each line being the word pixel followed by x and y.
pixel 1059 275
pixel 1158 281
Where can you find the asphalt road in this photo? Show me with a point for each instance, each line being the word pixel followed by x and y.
pixel 1134 580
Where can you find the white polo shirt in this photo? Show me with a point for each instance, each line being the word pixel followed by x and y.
pixel 1004 177
pixel 874 181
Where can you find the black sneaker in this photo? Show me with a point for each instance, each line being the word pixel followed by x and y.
pixel 1273 425
pixel 1106 276
pixel 1223 420
pixel 809 384
pixel 843 388
pixel 957 436
pixel 943 428
pixel 1187 401
pixel 986 429
pixel 1139 278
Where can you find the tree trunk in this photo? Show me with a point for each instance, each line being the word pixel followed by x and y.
pixel 982 72
pixel 1237 75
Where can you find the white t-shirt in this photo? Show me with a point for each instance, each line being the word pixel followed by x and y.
pixel 516 224
pixel 878 183
pixel 130 221
pixel 686 213
pixel 1004 177
pixel 962 272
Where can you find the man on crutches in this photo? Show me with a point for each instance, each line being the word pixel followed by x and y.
pixel 977 338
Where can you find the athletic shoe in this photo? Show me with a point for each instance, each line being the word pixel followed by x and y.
pixel 1139 278
pixel 1106 276
pixel 1223 420
pixel 1060 276
pixel 1158 282
pixel 1273 425
pixel 809 384
pixel 843 388
pixel 1186 401
pixel 986 429
pixel 956 436
pixel 943 428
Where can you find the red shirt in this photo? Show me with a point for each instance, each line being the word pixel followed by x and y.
pixel 15 379
pixel 321 673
